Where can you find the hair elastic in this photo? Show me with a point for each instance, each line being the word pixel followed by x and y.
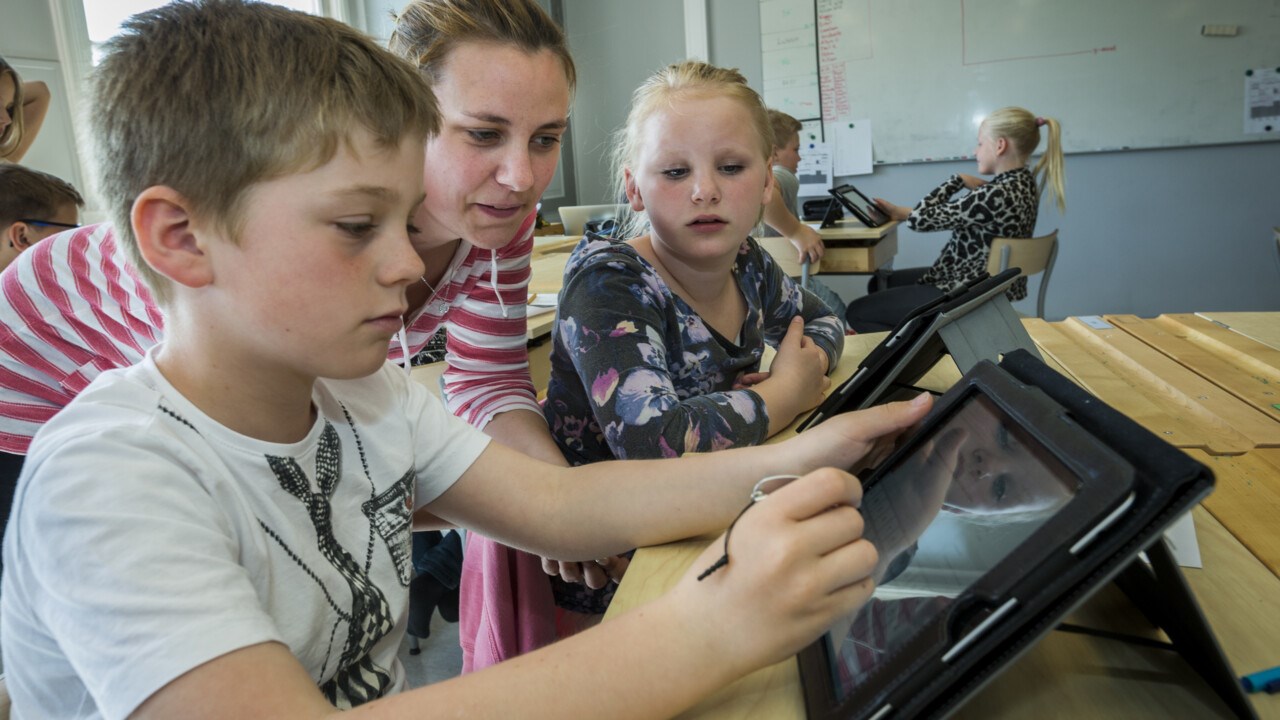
pixel 1039 121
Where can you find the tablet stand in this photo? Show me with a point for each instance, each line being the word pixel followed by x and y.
pixel 1161 593
pixel 984 333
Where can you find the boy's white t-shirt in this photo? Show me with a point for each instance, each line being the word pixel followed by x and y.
pixel 147 539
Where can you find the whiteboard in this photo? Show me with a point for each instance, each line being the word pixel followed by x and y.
pixel 1118 74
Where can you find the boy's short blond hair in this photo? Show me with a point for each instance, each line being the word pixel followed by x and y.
pixel 211 96
pixel 784 126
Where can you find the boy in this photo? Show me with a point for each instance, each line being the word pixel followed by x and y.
pixel 223 529
pixel 780 214
pixel 33 206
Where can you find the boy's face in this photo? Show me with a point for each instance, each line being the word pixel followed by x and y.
pixel 788 156
pixel 315 286
pixel 503 111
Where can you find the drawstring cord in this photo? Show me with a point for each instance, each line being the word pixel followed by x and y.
pixel 493 280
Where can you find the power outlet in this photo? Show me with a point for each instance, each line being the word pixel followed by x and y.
pixel 1219 30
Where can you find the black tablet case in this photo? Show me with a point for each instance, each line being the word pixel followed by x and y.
pixel 1167 483
pixel 907 353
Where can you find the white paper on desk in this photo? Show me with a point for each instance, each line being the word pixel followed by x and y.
pixel 814 171
pixel 853 147
pixel 1181 537
pixel 544 300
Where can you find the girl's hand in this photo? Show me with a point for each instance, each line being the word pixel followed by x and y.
pixel 971 181
pixel 797 377
pixel 595 574
pixel 797 563
pixel 897 212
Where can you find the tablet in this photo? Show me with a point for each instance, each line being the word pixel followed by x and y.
pixel 860 205
pixel 997 516
pixel 910 350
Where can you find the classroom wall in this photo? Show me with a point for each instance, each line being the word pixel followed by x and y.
pixel 1146 232
pixel 616 44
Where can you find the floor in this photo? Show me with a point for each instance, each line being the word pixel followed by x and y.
pixel 440 659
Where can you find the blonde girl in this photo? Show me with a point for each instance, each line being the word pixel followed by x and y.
pixel 22 110
pixel 1005 206
pixel 658 341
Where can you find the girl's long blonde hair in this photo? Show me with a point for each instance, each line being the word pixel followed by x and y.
pixel 12 135
pixel 1022 130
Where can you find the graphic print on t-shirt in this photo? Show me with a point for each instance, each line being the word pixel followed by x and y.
pixel 368 620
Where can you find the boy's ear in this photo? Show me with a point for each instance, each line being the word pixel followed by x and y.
pixel 15 236
pixel 168 237
pixel 633 191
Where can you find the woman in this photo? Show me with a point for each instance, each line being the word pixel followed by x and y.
pixel 503 76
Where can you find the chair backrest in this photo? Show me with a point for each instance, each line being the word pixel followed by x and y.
pixel 1032 255
pixel 575 217
pixel 1277 232
pixel 4 699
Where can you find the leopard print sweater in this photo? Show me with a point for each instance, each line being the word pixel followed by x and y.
pixel 1005 207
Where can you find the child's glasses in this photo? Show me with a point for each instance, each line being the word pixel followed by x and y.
pixel 46 223
pixel 758 493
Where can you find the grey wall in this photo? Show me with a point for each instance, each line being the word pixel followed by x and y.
pixel 1146 232
pixel 616 44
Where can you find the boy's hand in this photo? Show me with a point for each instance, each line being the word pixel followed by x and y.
pixel 808 243
pixel 897 212
pixel 854 440
pixel 797 563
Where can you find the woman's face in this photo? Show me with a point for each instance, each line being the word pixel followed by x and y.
pixel 503 112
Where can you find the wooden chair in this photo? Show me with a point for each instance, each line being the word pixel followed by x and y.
pixel 1277 232
pixel 1032 255
pixel 4 699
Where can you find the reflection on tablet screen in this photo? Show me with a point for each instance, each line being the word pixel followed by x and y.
pixel 941 518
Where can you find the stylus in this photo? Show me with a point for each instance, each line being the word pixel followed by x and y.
pixel 1257 682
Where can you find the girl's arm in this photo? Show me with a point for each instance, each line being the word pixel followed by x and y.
pixel 782 298
pixel 938 212
pixel 35 105
pixel 617 329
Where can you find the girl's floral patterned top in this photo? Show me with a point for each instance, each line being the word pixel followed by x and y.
pixel 636 373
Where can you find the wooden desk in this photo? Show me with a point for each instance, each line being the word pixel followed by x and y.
pixel 1068 675
pixel 851 248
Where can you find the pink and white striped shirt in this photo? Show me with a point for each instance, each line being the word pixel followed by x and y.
pixel 75 306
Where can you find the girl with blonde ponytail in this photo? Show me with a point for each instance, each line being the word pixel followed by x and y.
pixel 1005 206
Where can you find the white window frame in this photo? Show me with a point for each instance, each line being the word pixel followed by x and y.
pixel 75 55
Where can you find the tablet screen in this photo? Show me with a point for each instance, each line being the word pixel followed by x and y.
pixel 942 517
pixel 868 208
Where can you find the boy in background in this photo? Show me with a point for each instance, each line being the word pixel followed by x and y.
pixel 222 530
pixel 780 218
pixel 33 206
